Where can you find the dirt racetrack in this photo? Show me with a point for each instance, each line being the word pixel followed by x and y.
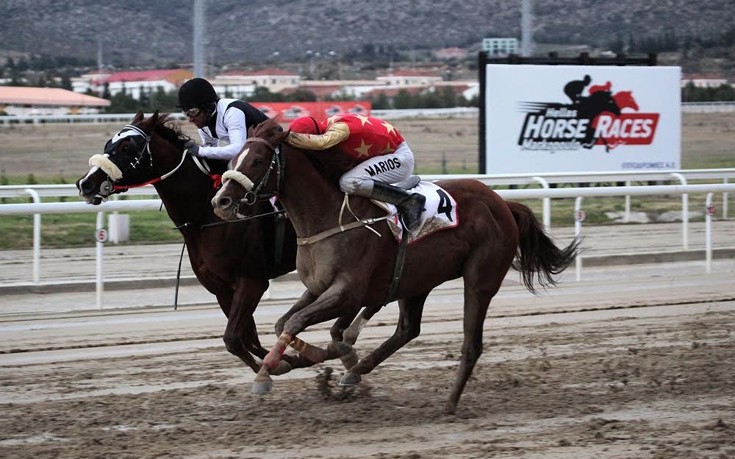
pixel 631 362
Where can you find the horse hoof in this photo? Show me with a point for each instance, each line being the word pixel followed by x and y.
pixel 262 386
pixel 350 359
pixel 350 379
pixel 263 382
pixel 282 368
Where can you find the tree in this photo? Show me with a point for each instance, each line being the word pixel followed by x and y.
pixel 123 103
pixel 403 100
pixel 301 95
pixel 66 82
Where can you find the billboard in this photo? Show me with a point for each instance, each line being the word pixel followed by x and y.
pixel 289 111
pixel 576 118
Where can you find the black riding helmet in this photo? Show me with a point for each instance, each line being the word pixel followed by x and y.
pixel 197 93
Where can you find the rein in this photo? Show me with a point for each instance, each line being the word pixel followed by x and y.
pixel 114 173
pixel 203 168
pixel 278 162
pixel 359 223
pixel 279 241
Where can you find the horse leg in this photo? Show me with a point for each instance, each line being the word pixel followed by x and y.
pixel 263 383
pixel 232 344
pixel 241 335
pixel 349 335
pixel 314 354
pixel 304 300
pixel 349 358
pixel 330 305
pixel 476 305
pixel 483 275
pixel 408 327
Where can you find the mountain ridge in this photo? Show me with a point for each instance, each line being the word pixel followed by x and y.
pixel 143 33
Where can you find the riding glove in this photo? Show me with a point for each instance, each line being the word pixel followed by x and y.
pixel 192 148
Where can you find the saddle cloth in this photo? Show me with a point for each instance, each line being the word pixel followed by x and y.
pixel 440 212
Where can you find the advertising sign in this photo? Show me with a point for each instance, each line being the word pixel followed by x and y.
pixel 568 118
pixel 289 111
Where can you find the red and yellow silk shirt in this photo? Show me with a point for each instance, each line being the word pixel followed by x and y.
pixel 357 136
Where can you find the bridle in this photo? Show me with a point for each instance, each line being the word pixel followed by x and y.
pixel 278 162
pixel 254 191
pixel 142 143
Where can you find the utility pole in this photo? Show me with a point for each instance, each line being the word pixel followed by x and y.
pixel 98 86
pixel 526 28
pixel 199 38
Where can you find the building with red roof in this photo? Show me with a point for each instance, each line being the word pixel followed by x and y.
pixel 133 82
pixel 27 101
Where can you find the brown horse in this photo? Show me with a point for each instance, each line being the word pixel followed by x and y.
pixel 233 261
pixel 353 268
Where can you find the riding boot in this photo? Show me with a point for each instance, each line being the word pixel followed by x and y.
pixel 410 205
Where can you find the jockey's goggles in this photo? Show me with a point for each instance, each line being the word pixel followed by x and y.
pixel 192 112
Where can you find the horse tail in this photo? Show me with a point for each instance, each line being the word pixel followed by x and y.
pixel 538 257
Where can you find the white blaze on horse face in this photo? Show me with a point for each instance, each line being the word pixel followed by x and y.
pixel 122 134
pixel 241 158
pixel 238 176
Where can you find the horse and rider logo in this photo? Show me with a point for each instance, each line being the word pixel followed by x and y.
pixel 595 115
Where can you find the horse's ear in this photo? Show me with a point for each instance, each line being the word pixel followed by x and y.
pixel 138 117
pixel 154 117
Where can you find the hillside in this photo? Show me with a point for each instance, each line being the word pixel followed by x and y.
pixel 145 33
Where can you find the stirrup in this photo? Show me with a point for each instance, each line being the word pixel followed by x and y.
pixel 410 210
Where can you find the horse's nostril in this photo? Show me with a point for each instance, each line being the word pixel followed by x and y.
pixel 224 202
pixel 86 186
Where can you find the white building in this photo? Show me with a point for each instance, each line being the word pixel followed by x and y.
pixel 132 83
pixel 240 83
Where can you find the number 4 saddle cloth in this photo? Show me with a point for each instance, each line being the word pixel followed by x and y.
pixel 440 212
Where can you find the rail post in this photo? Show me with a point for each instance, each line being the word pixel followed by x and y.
pixel 725 197
pixel 101 237
pixel 578 219
pixel 708 213
pixel 684 211
pixel 36 237
pixel 547 201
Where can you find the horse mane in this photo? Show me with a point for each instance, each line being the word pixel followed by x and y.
pixel 329 163
pixel 167 127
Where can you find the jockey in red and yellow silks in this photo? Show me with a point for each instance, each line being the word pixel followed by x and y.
pixel 385 157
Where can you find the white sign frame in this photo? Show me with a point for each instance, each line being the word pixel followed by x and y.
pixel 534 123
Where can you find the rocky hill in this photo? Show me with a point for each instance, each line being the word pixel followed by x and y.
pixel 146 33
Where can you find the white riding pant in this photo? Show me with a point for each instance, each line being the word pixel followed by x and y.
pixel 390 168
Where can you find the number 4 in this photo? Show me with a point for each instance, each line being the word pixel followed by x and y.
pixel 445 204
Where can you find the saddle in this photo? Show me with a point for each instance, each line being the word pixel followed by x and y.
pixel 440 210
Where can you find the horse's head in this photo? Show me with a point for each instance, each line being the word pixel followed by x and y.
pixel 127 160
pixel 596 103
pixel 625 99
pixel 257 171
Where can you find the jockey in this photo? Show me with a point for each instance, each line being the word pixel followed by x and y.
pixel 574 89
pixel 217 119
pixel 385 158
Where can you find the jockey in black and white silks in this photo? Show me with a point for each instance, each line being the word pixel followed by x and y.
pixel 222 123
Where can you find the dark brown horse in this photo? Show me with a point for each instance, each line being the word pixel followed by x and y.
pixel 353 268
pixel 233 261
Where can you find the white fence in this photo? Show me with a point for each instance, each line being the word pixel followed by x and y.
pixel 456 112
pixel 37 207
